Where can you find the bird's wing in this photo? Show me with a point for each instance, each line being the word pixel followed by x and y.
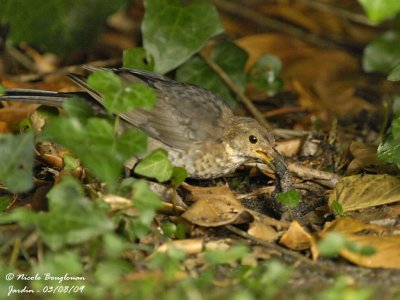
pixel 183 114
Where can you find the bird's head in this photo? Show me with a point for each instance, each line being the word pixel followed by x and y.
pixel 247 139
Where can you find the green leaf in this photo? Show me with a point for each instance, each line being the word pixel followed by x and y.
pixel 383 53
pixel 137 58
pixel 132 141
pixel 78 108
pixel 179 175
pixel 119 98
pixel 331 244
pixel 96 144
pixel 56 264
pixel 16 161
pixel 4 202
pixel 169 229
pixel 394 75
pixel 378 10
pixel 218 257
pixel 2 89
pixel 70 163
pixel 173 32
pixel 359 249
pixel 337 208
pixel 290 198
pixel 109 272
pixel 145 200
pixel 155 165
pixel 72 219
pixel 113 245
pixel 265 74
pixel 230 58
pixel 389 148
pixel 60 26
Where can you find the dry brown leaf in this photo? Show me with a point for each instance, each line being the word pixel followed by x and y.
pixel 3 127
pixel 339 98
pixel 348 225
pixel 365 159
pixel 313 20
pixel 14 114
pixel 216 206
pixel 288 48
pixel 362 191
pixel 296 237
pixel 293 14
pixel 327 66
pixel 262 231
pixel 289 148
pixel 387 251
pixel 387 247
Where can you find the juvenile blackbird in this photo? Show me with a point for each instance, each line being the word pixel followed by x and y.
pixel 196 127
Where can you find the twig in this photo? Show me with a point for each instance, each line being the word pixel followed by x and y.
pixel 265 190
pixel 324 178
pixel 283 111
pixel 21 58
pixel 246 101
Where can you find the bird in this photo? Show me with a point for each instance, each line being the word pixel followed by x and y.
pixel 197 128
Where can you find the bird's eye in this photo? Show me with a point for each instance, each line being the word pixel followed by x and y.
pixel 253 139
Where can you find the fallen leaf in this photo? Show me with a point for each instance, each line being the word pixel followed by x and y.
pixel 387 253
pixel 216 206
pixel 288 48
pixel 348 225
pixel 262 232
pixel 296 237
pixel 362 191
pixel 365 159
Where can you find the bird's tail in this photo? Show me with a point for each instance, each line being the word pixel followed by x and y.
pixel 37 96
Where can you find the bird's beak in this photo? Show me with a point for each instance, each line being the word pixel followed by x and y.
pixel 266 157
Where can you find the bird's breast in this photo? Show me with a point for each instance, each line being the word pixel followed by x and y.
pixel 206 160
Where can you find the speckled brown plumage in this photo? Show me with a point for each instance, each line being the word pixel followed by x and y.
pixel 196 127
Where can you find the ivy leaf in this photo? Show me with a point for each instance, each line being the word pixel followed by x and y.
pixel 395 74
pixel 230 58
pixel 4 202
pixel 16 161
pixel 67 262
pixel 265 74
pixel 78 108
pixel 290 198
pixel 60 26
pixel 97 146
pixel 70 213
pixel 138 58
pixel 172 32
pixel 155 165
pixel 179 175
pixel 378 10
pixel 117 97
pixel 383 53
